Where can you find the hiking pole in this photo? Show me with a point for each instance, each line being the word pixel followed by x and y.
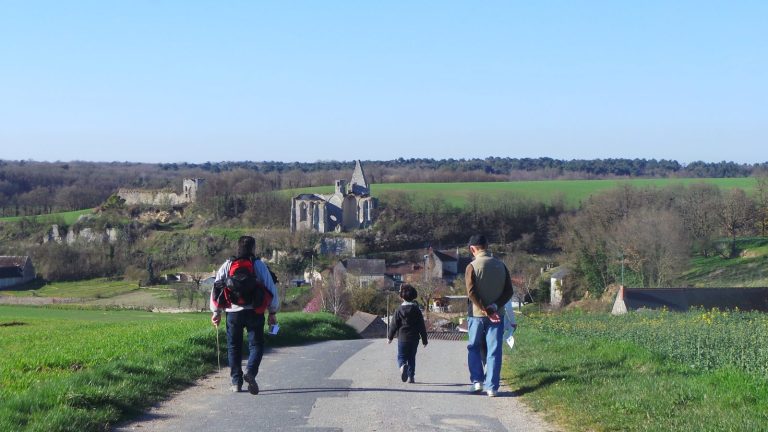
pixel 218 349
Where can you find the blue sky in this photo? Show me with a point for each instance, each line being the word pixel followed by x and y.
pixel 196 81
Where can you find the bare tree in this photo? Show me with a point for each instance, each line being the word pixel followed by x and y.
pixel 698 206
pixel 736 216
pixel 200 269
pixel 761 195
pixel 429 289
pixel 525 270
pixel 654 245
pixel 333 293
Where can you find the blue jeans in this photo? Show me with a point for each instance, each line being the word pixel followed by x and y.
pixel 406 354
pixel 254 323
pixel 485 335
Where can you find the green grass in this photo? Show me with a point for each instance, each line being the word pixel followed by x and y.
pixel 66 369
pixel 88 289
pixel 69 217
pixel 602 373
pixel 748 270
pixel 572 192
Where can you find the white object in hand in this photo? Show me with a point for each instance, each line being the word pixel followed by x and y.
pixel 274 328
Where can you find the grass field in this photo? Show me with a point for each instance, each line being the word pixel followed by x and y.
pixel 703 371
pixel 750 269
pixel 81 370
pixel 68 217
pixel 572 192
pixel 88 289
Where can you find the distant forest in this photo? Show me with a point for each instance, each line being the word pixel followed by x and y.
pixel 30 187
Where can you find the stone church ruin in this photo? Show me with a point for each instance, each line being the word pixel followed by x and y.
pixel 346 209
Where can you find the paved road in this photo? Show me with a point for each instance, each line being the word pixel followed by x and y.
pixel 345 386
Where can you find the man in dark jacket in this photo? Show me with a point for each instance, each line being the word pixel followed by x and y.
pixel 409 325
pixel 489 288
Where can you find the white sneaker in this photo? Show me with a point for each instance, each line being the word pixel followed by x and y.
pixel 491 393
pixel 476 387
pixel 511 341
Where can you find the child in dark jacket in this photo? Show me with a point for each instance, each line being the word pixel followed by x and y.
pixel 408 323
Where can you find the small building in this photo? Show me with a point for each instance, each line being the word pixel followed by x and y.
pixel 451 304
pixel 15 270
pixel 367 325
pixel 556 282
pixel 404 272
pixel 365 271
pixel 445 264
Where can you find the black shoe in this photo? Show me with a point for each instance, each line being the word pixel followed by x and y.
pixel 253 388
pixel 411 380
pixel 404 372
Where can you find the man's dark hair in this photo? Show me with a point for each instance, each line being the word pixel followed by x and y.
pixel 478 240
pixel 408 292
pixel 246 246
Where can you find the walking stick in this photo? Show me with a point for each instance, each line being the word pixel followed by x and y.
pixel 218 349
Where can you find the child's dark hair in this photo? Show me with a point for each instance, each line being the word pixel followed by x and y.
pixel 246 245
pixel 408 292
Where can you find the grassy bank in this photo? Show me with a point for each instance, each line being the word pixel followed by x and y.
pixel 68 218
pixel 749 269
pixel 658 372
pixel 80 370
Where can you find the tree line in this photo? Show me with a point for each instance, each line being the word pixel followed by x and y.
pixel 30 187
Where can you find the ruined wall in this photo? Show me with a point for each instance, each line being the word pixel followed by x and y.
pixel 162 197
pixel 148 197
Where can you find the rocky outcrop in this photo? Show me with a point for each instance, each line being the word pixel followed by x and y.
pixel 85 235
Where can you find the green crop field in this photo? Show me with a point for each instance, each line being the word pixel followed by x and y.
pixel 78 370
pixel 572 192
pixel 652 371
pixel 68 218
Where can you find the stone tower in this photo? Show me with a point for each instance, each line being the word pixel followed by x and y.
pixel 190 189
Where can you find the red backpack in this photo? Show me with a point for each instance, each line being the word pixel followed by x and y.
pixel 243 287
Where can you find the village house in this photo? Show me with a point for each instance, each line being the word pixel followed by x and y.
pixel 345 210
pixel 365 272
pixel 405 272
pixel 445 265
pixel 15 270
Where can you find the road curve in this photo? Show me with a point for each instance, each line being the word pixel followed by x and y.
pixel 344 386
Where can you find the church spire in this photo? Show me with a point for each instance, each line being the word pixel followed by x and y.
pixel 359 184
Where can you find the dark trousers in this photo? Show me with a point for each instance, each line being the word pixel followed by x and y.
pixel 254 324
pixel 406 354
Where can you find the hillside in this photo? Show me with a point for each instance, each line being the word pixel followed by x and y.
pixel 750 269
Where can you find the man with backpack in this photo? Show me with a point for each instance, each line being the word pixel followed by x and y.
pixel 244 288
